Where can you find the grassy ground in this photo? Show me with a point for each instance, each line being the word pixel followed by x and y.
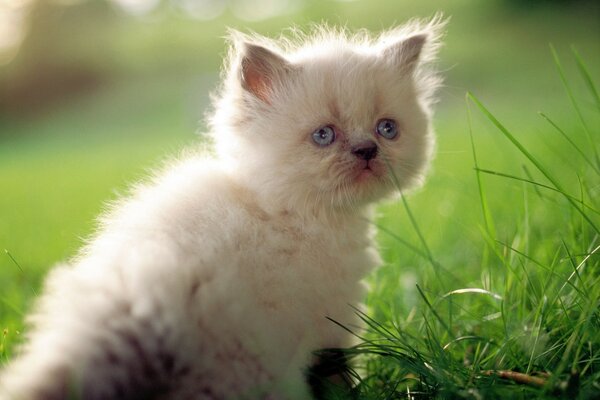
pixel 535 307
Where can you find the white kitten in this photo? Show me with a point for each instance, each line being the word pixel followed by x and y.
pixel 215 280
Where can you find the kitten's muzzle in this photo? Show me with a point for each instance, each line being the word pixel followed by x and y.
pixel 365 150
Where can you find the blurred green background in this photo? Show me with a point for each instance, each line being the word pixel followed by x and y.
pixel 94 93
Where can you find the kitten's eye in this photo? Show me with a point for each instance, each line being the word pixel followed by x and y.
pixel 387 128
pixel 324 136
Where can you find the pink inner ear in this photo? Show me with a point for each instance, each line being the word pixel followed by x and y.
pixel 260 70
pixel 256 81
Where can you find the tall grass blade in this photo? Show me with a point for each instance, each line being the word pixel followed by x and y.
pixel 14 261
pixel 436 266
pixel 19 267
pixel 583 69
pixel 585 158
pixel 575 267
pixel 579 267
pixel 434 312
pixel 563 79
pixel 487 216
pixel 427 251
pixel 537 184
pixel 531 158
pixel 530 177
pixel 408 245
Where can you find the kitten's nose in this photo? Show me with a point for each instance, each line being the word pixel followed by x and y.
pixel 365 150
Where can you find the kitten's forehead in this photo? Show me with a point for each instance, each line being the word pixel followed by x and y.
pixel 351 86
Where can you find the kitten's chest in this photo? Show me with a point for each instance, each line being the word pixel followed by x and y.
pixel 280 280
pixel 298 275
pixel 300 254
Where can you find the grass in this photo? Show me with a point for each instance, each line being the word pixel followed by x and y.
pixel 488 269
pixel 522 323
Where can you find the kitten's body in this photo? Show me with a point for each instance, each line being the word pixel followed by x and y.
pixel 215 281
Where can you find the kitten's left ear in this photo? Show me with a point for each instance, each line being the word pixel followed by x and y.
pixel 419 46
pixel 406 53
pixel 261 70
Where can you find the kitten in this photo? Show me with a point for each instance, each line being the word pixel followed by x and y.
pixel 215 280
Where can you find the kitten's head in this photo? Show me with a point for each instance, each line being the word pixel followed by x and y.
pixel 329 120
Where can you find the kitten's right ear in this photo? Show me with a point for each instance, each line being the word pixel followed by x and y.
pixel 260 70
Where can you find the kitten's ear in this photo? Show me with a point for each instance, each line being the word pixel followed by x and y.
pixel 406 53
pixel 260 70
pixel 419 43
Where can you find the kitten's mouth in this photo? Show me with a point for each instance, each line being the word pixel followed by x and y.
pixel 365 174
pixel 368 171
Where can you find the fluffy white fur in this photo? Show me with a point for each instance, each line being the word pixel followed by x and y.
pixel 214 281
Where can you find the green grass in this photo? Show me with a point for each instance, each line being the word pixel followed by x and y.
pixel 487 275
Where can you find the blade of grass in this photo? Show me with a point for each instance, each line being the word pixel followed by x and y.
pixel 530 177
pixel 530 157
pixel 563 79
pixel 575 267
pixel 18 266
pixel 472 290
pixel 487 217
pixel 435 265
pixel 14 261
pixel 577 270
pixel 547 269
pixel 537 184
pixel 583 69
pixel 540 317
pixel 585 158
pixel 437 316
pixel 410 246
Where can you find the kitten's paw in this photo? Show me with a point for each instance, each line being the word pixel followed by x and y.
pixel 329 378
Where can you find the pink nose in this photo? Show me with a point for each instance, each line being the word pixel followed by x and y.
pixel 365 151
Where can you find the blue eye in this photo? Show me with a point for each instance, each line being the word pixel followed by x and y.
pixel 387 128
pixel 324 136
